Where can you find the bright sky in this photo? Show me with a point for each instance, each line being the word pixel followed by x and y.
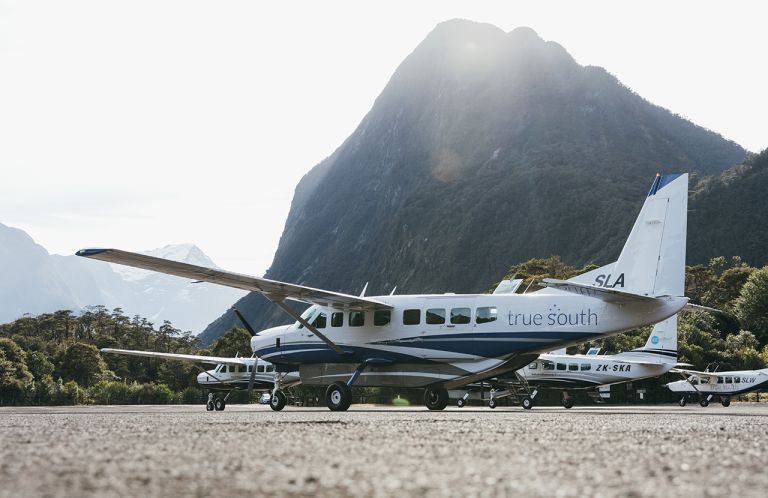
pixel 143 123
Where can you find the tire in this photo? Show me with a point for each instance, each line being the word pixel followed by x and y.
pixel 338 397
pixel 704 402
pixel 209 406
pixel 460 403
pixel 567 403
pixel 278 400
pixel 436 399
pixel 681 402
pixel 492 403
pixel 527 403
pixel 725 402
pixel 219 404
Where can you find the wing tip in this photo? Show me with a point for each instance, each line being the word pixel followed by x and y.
pixel 87 253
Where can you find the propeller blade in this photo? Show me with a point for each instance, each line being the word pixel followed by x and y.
pixel 252 377
pixel 245 322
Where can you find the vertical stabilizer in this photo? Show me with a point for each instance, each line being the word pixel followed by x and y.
pixel 652 262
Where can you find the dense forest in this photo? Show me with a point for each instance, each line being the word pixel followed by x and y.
pixel 55 359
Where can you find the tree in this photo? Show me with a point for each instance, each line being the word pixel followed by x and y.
pixel 752 304
pixel 83 364
pixel 14 374
pixel 237 340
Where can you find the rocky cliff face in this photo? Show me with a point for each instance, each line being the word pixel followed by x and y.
pixel 485 149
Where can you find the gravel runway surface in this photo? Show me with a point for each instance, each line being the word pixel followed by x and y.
pixel 250 451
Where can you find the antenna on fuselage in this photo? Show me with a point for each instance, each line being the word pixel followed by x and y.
pixel 393 291
pixel 365 287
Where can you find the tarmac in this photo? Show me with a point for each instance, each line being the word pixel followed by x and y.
pixel 248 450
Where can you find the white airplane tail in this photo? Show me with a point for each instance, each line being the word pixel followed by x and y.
pixel 652 262
pixel 661 344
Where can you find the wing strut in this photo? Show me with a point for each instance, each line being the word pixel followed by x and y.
pixel 281 304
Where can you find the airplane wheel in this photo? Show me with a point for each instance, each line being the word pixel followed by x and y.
pixel 436 399
pixel 725 401
pixel 681 402
pixel 492 403
pixel 209 406
pixel 527 403
pixel 567 403
pixel 704 402
pixel 278 400
pixel 338 397
pixel 460 403
pixel 219 404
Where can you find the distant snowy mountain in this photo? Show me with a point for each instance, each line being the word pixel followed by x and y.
pixel 33 281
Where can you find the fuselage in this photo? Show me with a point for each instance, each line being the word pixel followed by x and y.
pixel 587 371
pixel 726 383
pixel 229 376
pixel 447 335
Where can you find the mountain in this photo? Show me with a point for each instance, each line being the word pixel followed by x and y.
pixel 37 282
pixel 484 149
pixel 728 213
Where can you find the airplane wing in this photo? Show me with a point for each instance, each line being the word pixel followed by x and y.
pixel 685 371
pixel 273 290
pixel 607 295
pixel 183 357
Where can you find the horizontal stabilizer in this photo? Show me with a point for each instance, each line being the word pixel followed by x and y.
pixel 604 294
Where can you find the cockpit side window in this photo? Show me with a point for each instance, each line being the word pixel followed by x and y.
pixel 307 315
pixel 260 369
pixel 270 368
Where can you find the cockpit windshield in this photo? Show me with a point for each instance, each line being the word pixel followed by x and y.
pixel 307 315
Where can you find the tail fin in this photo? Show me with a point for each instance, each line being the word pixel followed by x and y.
pixel 661 344
pixel 652 262
pixel 663 338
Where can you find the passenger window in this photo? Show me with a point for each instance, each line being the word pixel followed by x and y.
pixel 460 316
pixel 435 316
pixel 337 319
pixel 241 368
pixel 736 380
pixel 533 366
pixel 486 314
pixel 573 367
pixel 319 322
pixel 547 365
pixel 270 368
pixel 561 366
pixel 720 380
pixel 381 317
pixel 260 369
pixel 585 367
pixel 231 369
pixel 356 318
pixel 729 380
pixel 411 317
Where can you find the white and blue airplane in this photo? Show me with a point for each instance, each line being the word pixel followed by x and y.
pixel 444 341
pixel 565 372
pixel 721 385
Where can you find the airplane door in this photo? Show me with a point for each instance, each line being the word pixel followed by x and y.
pixel 459 325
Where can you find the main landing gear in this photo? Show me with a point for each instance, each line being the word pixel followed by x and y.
pixel 216 403
pixel 436 398
pixel 338 397
pixel 567 400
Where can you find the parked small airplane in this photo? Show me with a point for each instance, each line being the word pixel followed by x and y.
pixel 720 385
pixel 564 372
pixel 229 374
pixel 445 341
